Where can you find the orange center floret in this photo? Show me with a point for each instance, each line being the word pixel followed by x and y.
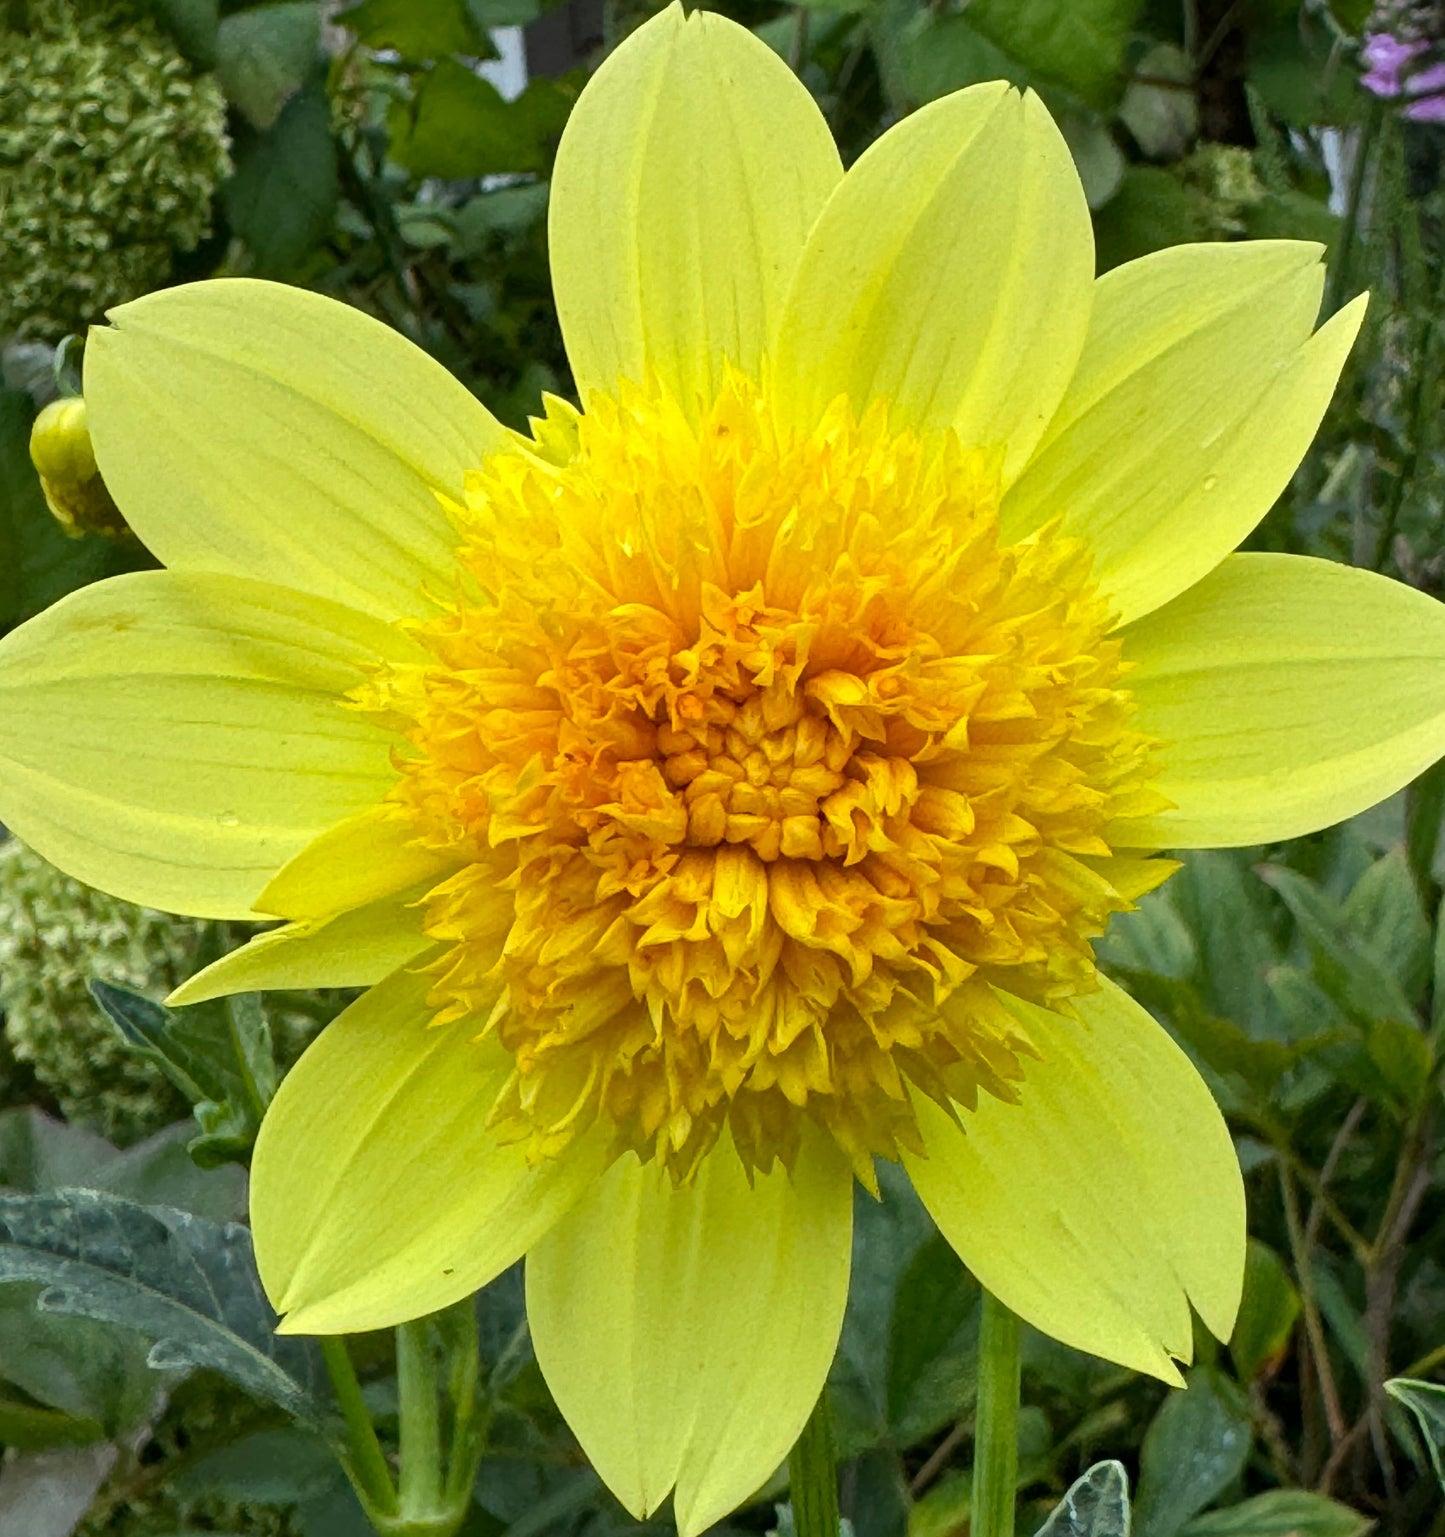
pixel 764 766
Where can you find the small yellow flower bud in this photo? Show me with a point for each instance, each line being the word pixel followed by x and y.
pixel 62 453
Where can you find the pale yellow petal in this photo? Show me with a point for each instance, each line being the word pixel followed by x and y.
pixel 686 1332
pixel 1197 394
pixel 1290 693
pixel 688 176
pixel 174 738
pixel 950 274
pixel 261 430
pixel 359 861
pixel 352 949
pixel 377 1192
pixel 1107 1199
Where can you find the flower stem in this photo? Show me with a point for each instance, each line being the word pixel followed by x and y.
pixel 421 1438
pixel 813 1475
pixel 366 1462
pixel 996 1436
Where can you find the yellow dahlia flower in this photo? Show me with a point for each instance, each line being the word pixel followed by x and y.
pixel 721 787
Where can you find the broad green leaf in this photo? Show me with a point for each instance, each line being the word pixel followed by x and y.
pixel 283 197
pixel 187 1285
pixel 39 1155
pixel 1163 117
pixel 933 1343
pixel 1195 1447
pixel 1150 210
pixel 1346 971
pixel 460 126
pixel 1426 1401
pixel 31 1429
pixel 1097 1505
pixel 1229 915
pixel 1097 158
pixel 195 25
pixel 218 1054
pixel 1153 938
pixel 1218 1042
pixel 1267 1312
pixel 86 1372
pixel 284 1466
pixel 264 56
pixel 1281 1513
pixel 1386 919
pixel 1078 43
pixel 419 31
pixel 887 1235
pixel 925 55
pixel 944 1509
pixel 1437 994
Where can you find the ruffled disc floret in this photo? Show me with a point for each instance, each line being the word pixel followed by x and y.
pixel 766 767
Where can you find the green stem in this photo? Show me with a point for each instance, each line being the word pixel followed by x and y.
pixel 471 1412
pixel 366 1462
pixel 996 1433
pixel 421 1440
pixel 813 1476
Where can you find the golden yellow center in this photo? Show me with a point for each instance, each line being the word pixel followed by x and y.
pixel 766 768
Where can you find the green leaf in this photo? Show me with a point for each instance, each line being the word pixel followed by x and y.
pixel 282 199
pixel 1153 938
pixel 1164 119
pixel 418 31
pixel 195 25
pixel 39 561
pixel 39 1154
pixel 187 1285
pixel 1222 903
pixel 924 55
pixel 887 1234
pixel 218 1054
pixel 944 1509
pixel 1386 920
pixel 1078 43
pixel 1426 1401
pixel 1282 1513
pixel 458 125
pixel 1097 1505
pixel 933 1343
pixel 1437 985
pixel 285 1466
pixel 1219 1043
pixel 31 1429
pixel 265 55
pixel 1196 1446
pixel 1267 1313
pixel 1424 816
pixel 1346 970
pixel 1150 210
pixel 84 1371
pixel 1097 158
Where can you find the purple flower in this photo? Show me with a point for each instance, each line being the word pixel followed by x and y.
pixel 1426 88
pixel 1387 57
pixel 1389 75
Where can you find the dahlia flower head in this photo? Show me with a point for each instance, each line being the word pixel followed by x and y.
pixel 719 787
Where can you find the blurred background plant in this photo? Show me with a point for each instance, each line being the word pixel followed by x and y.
pixel 396 154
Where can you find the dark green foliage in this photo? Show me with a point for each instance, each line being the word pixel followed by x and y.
pixel 187 1285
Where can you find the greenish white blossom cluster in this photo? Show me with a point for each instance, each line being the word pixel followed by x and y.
pixel 55 935
pixel 111 148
